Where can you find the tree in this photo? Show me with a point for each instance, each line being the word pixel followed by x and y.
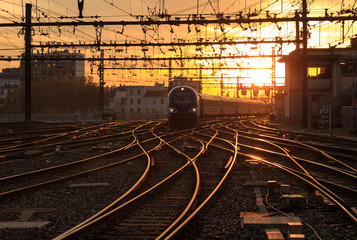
pixel 56 95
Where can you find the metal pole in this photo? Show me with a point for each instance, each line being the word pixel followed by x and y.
pixel 329 119
pixel 200 80
pixel 353 98
pixel 297 29
pixel 170 76
pixel 222 85
pixel 28 63
pixel 101 84
pixel 237 96
pixel 304 66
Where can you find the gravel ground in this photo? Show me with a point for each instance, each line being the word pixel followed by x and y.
pixel 222 218
pixel 71 204
pixel 64 206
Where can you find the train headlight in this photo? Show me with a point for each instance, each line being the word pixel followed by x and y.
pixel 193 110
pixel 172 110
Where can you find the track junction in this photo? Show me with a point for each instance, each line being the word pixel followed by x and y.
pixel 223 179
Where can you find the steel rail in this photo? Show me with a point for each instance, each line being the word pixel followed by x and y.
pixel 296 132
pixel 13 177
pixel 327 192
pixel 200 207
pixel 79 230
pixel 313 148
pixel 341 205
pixel 177 221
pixel 345 171
pixel 340 170
pixel 93 218
pixel 110 206
pixel 281 154
pixel 37 141
pixel 336 199
pixel 72 140
pixel 32 187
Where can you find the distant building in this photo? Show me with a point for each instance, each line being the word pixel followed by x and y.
pixel 184 81
pixel 155 103
pixel 331 81
pixel 55 65
pixel 138 102
pixel 9 81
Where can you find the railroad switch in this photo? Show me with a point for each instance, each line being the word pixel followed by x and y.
pixel 265 169
pixel 86 185
pixel 252 163
pixel 58 149
pixel 190 148
pixel 284 188
pixel 293 200
pixel 294 228
pixel 229 162
pixel 32 153
pixel 298 137
pixel 255 183
pixel 272 185
pixel 154 164
pixel 296 236
pixel 104 148
pixel 274 234
pixel 317 199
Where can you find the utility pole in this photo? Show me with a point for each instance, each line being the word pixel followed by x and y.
pixel 200 80
pixel 222 85
pixel 27 57
pixel 170 75
pixel 101 84
pixel 80 8
pixel 273 82
pixel 297 29
pixel 237 88
pixel 353 97
pixel 304 66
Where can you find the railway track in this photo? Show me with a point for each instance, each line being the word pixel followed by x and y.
pixel 161 183
pixel 343 178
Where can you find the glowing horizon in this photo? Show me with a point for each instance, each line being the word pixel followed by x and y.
pixel 322 34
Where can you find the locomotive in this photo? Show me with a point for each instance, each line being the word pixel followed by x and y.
pixel 186 106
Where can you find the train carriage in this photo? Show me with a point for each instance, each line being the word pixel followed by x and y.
pixel 243 107
pixel 229 106
pixel 210 105
pixel 186 106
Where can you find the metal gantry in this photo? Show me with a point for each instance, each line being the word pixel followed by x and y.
pixel 195 20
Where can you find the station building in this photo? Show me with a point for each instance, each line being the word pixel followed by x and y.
pixel 332 87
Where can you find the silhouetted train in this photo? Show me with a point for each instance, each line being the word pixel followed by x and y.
pixel 186 106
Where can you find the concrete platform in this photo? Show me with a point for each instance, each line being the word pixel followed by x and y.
pixel 268 221
pixel 264 220
pixel 296 236
pixel 23 224
pixel 89 185
pixel 255 184
pixel 274 234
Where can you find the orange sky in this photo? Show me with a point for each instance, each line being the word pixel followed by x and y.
pixel 12 43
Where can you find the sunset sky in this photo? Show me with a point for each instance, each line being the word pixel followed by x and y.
pixel 322 35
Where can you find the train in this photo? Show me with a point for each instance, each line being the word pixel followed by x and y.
pixel 186 106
